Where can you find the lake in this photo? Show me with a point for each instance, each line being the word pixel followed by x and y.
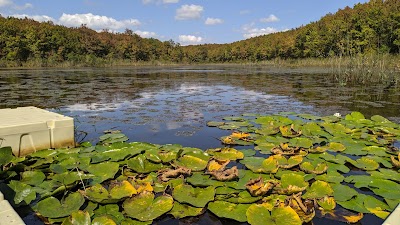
pixel 173 104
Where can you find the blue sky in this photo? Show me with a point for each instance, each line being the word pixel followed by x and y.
pixel 184 21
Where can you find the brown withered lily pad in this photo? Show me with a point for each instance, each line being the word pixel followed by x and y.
pixel 257 187
pixel 168 174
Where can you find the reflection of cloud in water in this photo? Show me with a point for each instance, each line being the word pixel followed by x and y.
pixel 99 106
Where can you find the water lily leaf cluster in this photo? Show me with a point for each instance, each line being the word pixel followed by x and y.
pixel 297 168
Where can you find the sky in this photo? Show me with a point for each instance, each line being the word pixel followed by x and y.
pixel 183 21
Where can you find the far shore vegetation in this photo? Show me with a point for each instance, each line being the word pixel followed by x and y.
pixel 359 44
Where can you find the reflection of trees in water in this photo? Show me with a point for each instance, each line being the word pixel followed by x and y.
pixel 56 88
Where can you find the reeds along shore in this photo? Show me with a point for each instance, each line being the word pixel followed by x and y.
pixel 363 69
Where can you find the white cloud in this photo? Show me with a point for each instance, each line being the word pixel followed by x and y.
pixel 170 1
pixel 160 1
pixel 250 31
pixel 10 3
pixel 254 32
pixel 4 3
pixel 190 39
pixel 145 34
pixel 96 22
pixel 271 18
pixel 189 12
pixel 213 21
pixel 40 18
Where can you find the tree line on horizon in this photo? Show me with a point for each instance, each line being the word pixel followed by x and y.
pixel 368 28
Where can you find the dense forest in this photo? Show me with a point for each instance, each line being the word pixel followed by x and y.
pixel 369 28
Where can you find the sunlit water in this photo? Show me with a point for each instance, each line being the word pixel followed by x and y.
pixel 172 104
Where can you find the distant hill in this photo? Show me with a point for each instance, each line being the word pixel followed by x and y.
pixel 368 28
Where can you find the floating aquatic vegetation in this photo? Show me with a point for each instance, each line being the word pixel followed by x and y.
pixel 303 174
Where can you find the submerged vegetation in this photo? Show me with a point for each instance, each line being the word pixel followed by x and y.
pixel 296 167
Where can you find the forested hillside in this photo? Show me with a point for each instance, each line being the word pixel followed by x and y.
pixel 370 28
pixel 46 44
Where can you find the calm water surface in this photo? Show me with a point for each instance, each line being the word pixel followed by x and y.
pixel 172 104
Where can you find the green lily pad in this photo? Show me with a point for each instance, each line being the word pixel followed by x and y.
pixel 68 178
pixel 195 160
pixel 260 215
pixel 318 189
pixel 386 174
pixel 53 208
pixel 229 210
pixel 301 142
pixel 291 183
pixel 327 203
pixel 198 179
pixel 365 163
pixel 244 177
pixel 225 153
pixel 115 155
pixel 141 164
pixel 33 177
pixel 288 163
pixel 343 193
pixel 355 116
pixel 117 191
pixel 103 171
pixel 336 147
pixel 215 123
pixel 103 220
pixel 319 168
pixel 255 164
pixel 6 156
pixel 198 197
pixel 331 177
pixel 241 197
pixel 145 207
pixel 23 192
pixel 110 210
pixel 183 210
pixel 355 204
pixel 78 218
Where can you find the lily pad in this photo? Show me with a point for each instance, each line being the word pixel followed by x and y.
pixel 110 210
pixel 141 164
pixel 225 153
pixel 301 142
pixel 196 161
pixel 145 207
pixel 198 197
pixel 200 180
pixel 103 171
pixel 318 189
pixel 23 192
pixel 33 177
pixel 319 168
pixel 53 208
pixel 260 215
pixel 78 218
pixel 183 210
pixel 103 220
pixel 229 210
pixel 336 147
pixel 291 183
pixel 365 163
pixel 327 203
pixel 288 163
